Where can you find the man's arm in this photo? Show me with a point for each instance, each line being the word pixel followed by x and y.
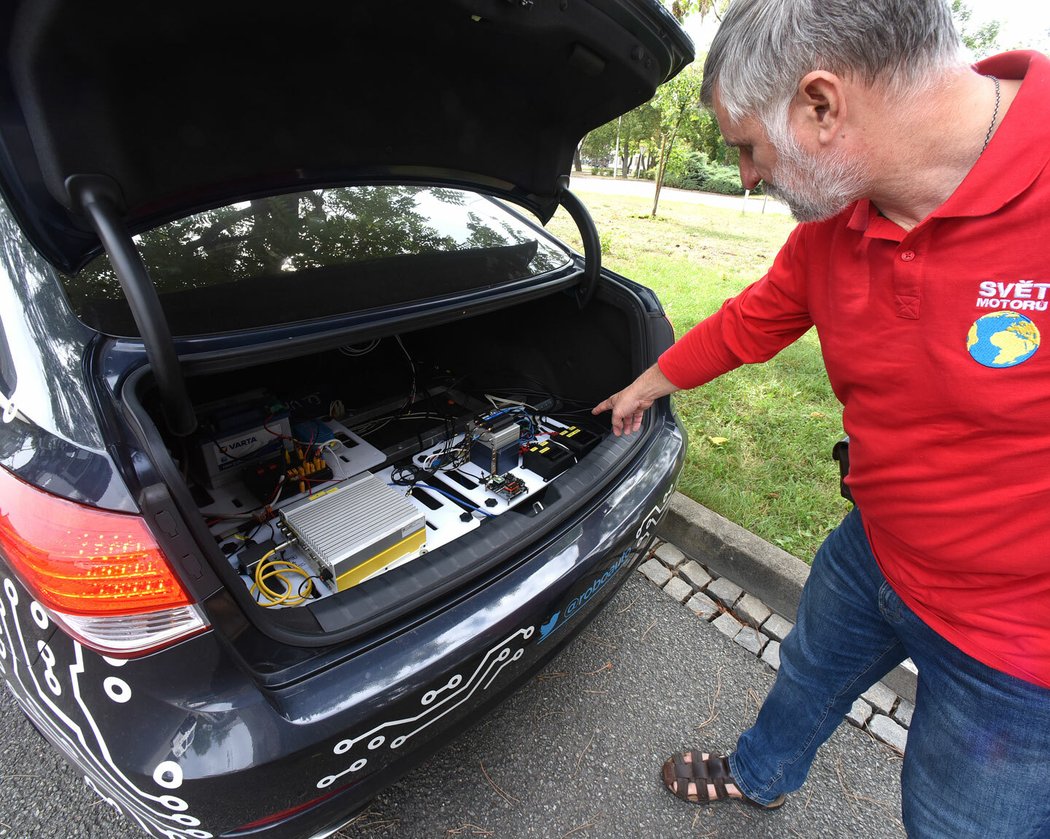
pixel 629 404
pixel 751 327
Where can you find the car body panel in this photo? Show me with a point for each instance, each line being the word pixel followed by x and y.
pixel 46 343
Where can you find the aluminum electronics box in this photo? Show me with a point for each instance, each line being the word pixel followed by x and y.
pixel 496 448
pixel 356 528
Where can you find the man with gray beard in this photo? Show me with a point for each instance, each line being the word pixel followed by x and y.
pixel 923 185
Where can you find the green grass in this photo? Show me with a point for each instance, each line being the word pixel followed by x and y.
pixel 761 436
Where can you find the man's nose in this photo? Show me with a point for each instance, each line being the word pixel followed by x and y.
pixel 749 176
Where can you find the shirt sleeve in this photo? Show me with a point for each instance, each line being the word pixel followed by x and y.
pixel 751 327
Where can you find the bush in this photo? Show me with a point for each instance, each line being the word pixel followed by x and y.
pixel 692 170
pixel 602 170
pixel 724 180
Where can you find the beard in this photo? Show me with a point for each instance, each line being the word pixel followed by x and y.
pixel 814 188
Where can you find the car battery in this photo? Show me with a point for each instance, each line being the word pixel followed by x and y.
pixel 495 448
pixel 239 430
pixel 548 460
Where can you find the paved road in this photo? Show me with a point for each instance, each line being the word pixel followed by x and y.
pixel 632 186
pixel 575 753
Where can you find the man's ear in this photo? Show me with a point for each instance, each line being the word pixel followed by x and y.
pixel 820 106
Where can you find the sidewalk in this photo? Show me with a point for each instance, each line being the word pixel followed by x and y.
pixel 584 183
pixel 577 752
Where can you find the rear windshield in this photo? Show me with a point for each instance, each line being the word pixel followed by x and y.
pixel 308 255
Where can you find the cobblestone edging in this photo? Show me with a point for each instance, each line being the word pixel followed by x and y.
pixel 759 630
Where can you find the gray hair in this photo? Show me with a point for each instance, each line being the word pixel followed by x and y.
pixel 764 48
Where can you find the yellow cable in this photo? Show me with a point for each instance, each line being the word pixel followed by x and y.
pixel 286 572
pixel 280 569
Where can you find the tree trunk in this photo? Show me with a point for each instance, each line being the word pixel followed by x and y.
pixel 576 161
pixel 665 155
pixel 659 175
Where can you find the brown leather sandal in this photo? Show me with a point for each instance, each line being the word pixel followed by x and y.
pixel 700 778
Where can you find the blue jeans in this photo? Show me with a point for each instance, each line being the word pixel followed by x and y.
pixel 978 756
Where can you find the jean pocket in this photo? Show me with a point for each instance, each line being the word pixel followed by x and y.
pixel 890 604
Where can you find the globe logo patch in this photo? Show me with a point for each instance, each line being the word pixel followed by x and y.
pixel 1002 339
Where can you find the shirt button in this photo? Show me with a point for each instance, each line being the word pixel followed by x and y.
pixel 907 256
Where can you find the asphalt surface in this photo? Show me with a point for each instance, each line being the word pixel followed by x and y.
pixel 576 753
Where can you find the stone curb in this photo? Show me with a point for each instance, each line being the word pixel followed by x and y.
pixel 750 623
pixel 764 570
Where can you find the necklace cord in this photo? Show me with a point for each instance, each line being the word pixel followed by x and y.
pixel 995 115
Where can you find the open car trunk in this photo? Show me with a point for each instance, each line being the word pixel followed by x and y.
pixel 338 491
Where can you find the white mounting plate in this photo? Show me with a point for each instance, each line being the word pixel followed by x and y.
pixel 344 460
pixel 477 494
pixel 444 523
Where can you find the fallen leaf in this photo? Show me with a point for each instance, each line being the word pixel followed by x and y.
pixel 718 441
pixel 818 415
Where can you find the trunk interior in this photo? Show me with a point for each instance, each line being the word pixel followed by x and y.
pixel 340 489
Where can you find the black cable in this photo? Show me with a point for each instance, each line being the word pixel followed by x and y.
pixel 314 592
pixel 251 536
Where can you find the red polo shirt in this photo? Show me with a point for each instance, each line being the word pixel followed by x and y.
pixel 932 341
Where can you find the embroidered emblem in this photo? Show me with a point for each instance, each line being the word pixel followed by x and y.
pixel 1002 339
pixel 1020 296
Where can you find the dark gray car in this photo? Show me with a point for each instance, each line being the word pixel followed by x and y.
pixel 298 470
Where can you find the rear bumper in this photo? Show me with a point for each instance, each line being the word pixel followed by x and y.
pixel 187 745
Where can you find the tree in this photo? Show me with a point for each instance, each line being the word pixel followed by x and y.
pixel 709 140
pixel 982 41
pixel 681 9
pixel 635 127
pixel 626 134
pixel 677 102
pixel 622 138
pixel 598 145
pixel 280 236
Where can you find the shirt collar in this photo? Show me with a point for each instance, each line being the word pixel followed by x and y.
pixel 1020 147
pixel 867 220
pixel 1018 152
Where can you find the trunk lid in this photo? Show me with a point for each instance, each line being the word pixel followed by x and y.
pixel 189 105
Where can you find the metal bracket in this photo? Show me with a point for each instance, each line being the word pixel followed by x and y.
pixel 100 199
pixel 592 245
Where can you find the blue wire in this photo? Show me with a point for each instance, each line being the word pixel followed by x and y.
pixel 510 409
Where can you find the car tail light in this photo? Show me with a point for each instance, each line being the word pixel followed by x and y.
pixel 100 574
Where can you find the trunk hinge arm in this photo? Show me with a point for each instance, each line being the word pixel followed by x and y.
pixel 100 199
pixel 592 245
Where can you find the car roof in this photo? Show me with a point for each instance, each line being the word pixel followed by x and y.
pixel 192 104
